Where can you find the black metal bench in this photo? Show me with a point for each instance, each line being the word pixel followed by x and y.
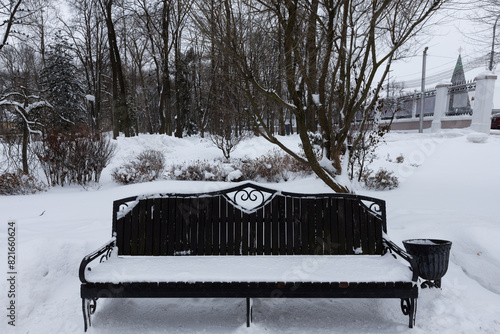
pixel 248 226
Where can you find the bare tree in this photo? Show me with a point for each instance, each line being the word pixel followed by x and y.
pixel 119 104
pixel 483 32
pixel 9 16
pixel 333 51
pixel 25 107
pixel 227 141
pixel 40 25
pixel 87 32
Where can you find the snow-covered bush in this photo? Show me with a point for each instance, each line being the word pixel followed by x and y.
pixel 382 180
pixel 365 141
pixel 272 167
pixel 146 167
pixel 199 170
pixel 19 184
pixel 73 158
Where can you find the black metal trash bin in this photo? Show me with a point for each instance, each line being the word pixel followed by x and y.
pixel 432 257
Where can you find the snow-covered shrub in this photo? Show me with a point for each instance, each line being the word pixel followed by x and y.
pixel 76 157
pixel 382 180
pixel 19 184
pixel 199 171
pixel 364 141
pixel 146 167
pixel 228 140
pixel 272 167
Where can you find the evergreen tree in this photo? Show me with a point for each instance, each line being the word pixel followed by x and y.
pixel 62 87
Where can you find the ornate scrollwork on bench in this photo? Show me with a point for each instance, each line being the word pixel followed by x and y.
pixel 104 253
pixel 409 308
pixel 88 306
pixel 249 199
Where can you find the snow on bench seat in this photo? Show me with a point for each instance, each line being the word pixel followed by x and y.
pixel 262 268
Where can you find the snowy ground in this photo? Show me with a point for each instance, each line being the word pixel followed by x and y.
pixel 449 189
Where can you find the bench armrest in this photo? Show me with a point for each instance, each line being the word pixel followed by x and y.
pixel 392 247
pixel 103 252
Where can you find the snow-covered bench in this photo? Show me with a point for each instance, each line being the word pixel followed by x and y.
pixel 248 242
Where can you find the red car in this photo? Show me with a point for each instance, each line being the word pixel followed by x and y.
pixel 495 121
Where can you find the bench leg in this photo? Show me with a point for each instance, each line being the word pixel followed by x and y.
pixel 88 308
pixel 409 308
pixel 249 311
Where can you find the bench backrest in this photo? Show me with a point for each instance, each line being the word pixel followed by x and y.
pixel 249 220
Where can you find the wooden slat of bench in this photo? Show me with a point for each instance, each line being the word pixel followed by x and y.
pixel 341 213
pixel 371 235
pixel 378 236
pixel 319 240
pixel 311 225
pixel 141 234
pixel 223 237
pixel 252 231
pixel 164 227
pixel 282 225
pixel 356 226
pixel 216 225
pixel 349 226
pixel 148 228
pixel 289 226
pixel 231 238
pixel 304 229
pixel 120 231
pixel 334 231
pixel 134 230
pixel 207 230
pixel 186 210
pixel 156 226
pixel 178 223
pixel 267 230
pixel 297 226
pixel 327 232
pixel 171 225
pixel 364 231
pixel 198 225
pixel 126 237
pixel 238 232
pixel 260 231
pixel 192 244
pixel 275 227
pixel 244 235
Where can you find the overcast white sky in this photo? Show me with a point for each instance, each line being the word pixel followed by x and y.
pixel 455 35
pixel 445 44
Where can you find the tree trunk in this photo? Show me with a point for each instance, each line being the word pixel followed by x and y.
pixel 165 93
pixel 121 112
pixel 312 70
pixel 10 22
pixel 26 138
